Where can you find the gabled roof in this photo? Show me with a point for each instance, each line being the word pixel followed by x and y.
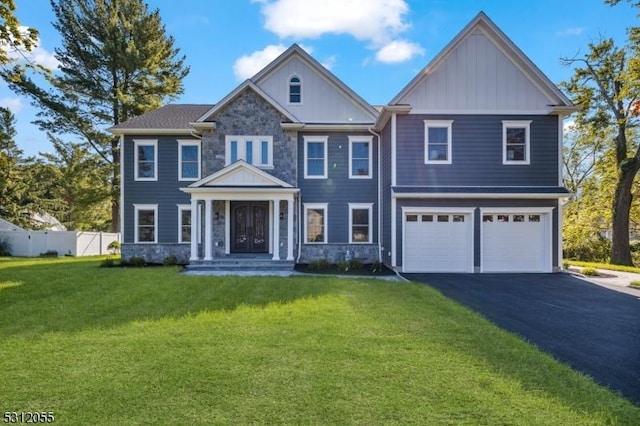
pixel 482 23
pixel 167 119
pixel 247 85
pixel 240 174
pixel 296 51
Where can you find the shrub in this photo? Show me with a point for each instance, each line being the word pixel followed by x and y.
pixel 114 247
pixel 319 265
pixel 590 272
pixel 107 263
pixel 170 261
pixel 376 266
pixel 589 248
pixel 343 265
pixel 5 247
pixel 355 264
pixel 635 284
pixel 565 265
pixel 136 261
pixel 49 253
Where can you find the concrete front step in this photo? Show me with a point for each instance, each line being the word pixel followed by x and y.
pixel 241 265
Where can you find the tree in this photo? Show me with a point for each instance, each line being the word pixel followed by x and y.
pixel 14 39
pixel 116 63
pixel 606 84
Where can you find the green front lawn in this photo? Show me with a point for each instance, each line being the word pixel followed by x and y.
pixel 151 346
pixel 609 266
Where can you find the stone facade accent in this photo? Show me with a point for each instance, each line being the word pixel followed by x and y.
pixel 156 253
pixel 334 253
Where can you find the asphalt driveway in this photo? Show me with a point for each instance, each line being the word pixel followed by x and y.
pixel 593 329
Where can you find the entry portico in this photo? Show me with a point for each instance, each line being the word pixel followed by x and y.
pixel 252 212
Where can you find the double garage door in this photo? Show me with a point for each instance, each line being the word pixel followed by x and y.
pixel 509 241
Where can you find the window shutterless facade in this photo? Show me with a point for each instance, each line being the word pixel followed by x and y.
pixel 295 90
pixel 145 160
pixel 437 141
pixel 184 223
pixel 315 157
pixel 360 157
pixel 188 160
pixel 315 219
pixel 146 223
pixel 516 142
pixel 360 221
pixel 255 150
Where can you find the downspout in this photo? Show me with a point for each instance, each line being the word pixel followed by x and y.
pixel 377 135
pixel 299 229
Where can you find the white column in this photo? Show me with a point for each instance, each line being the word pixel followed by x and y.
pixel 276 229
pixel 208 230
pixel 290 228
pixel 194 229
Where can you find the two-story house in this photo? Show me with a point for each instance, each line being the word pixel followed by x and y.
pixel 460 172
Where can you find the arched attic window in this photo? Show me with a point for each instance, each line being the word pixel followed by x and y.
pixel 295 90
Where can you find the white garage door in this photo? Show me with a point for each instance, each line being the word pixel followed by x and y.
pixel 516 242
pixel 438 242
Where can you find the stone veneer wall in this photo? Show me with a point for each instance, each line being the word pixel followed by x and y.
pixel 250 114
pixel 334 253
pixel 156 253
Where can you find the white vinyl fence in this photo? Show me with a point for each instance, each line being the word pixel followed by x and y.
pixel 74 243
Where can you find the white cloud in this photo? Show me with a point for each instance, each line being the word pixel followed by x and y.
pixel 378 22
pixel 12 104
pixel 570 31
pixel 248 65
pixel 36 55
pixel 398 51
pixel 329 62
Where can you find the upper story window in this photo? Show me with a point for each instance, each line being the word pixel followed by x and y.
pixel 315 157
pixel 145 160
pixel 146 221
pixel 295 90
pixel 437 141
pixel 255 150
pixel 188 160
pixel 515 142
pixel 360 157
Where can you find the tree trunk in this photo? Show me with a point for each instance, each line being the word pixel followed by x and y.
pixel 620 250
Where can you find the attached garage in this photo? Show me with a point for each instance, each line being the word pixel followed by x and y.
pixel 437 241
pixel 516 240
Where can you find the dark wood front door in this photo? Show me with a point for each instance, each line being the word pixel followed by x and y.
pixel 249 226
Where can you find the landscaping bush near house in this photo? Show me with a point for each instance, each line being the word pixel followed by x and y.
pixel 590 272
pixel 114 247
pixel 343 266
pixel 319 265
pixel 107 263
pixel 5 247
pixel 170 261
pixel 49 253
pixel 355 264
pixel 589 248
pixel 135 261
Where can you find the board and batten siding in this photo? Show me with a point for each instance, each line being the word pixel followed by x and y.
pixel 476 157
pixel 477 76
pixel 337 189
pixel 164 192
pixel 477 204
pixel 322 101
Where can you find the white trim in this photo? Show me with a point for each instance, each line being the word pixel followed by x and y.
pixel 195 220
pixel 317 206
pixel 209 182
pixel 517 124
pixel 393 149
pixel 316 139
pixel 560 150
pixel 290 228
pixel 407 210
pixel 394 237
pixel 560 224
pixel 352 126
pixel 361 139
pixel 256 141
pixel 508 112
pixel 448 124
pixel 274 211
pixel 227 226
pixel 145 142
pixel 145 207
pixel 208 229
pixel 289 89
pixel 149 131
pixel 536 196
pixel 361 206
pixel 189 142
pixel 183 208
pixel 121 188
pixel 515 210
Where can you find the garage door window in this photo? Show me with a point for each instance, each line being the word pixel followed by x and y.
pixel 518 218
pixel 427 218
pixel 534 218
pixel 412 218
pixel 458 218
pixel 443 218
pixel 487 218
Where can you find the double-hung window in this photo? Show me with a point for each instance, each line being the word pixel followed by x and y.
pixel 437 141
pixel 360 221
pixel 184 223
pixel 145 160
pixel 255 150
pixel 146 223
pixel 315 157
pixel 188 160
pixel 315 219
pixel 516 142
pixel 360 157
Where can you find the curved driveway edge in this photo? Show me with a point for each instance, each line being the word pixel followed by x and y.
pixel 593 329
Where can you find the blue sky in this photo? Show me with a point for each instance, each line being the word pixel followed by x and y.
pixel 374 46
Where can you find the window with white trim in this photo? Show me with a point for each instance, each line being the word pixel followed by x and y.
pixel 255 150
pixel 184 223
pixel 360 157
pixel 146 223
pixel 188 160
pixel 437 141
pixel 315 219
pixel 145 160
pixel 516 142
pixel 360 220
pixel 315 157
pixel 295 90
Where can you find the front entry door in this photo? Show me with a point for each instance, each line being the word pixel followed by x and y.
pixel 249 226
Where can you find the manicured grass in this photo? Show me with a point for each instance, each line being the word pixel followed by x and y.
pixel 151 346
pixel 608 266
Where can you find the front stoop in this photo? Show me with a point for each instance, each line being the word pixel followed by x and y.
pixel 241 263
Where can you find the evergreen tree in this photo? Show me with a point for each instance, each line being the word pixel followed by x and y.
pixel 116 63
